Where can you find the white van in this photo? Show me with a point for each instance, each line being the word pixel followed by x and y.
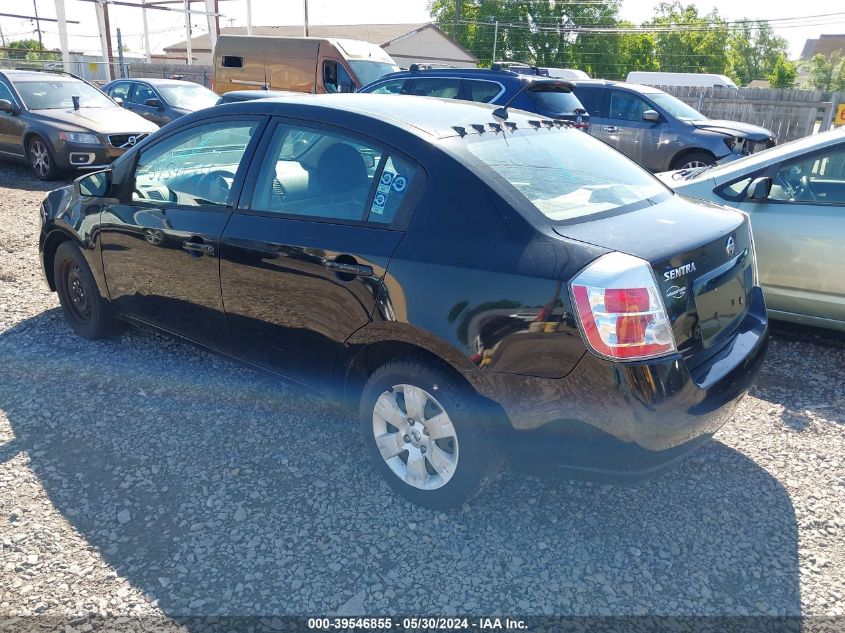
pixel 700 80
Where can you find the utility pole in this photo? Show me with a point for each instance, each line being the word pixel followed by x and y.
pixel 2 38
pixel 213 24
pixel 120 55
pixel 305 22
pixel 495 38
pixel 249 17
pixel 189 52
pixel 62 19
pixel 37 24
pixel 105 37
pixel 146 32
pixel 458 13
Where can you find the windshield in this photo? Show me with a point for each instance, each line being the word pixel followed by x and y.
pixel 566 173
pixel 187 96
pixel 676 107
pixel 56 95
pixel 367 71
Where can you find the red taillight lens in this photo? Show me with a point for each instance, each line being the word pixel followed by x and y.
pixel 620 310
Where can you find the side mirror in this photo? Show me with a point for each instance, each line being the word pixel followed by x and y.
pixel 118 100
pixel 759 188
pixel 153 103
pixel 94 185
pixel 7 106
pixel 652 115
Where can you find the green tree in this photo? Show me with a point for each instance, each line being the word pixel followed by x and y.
pixel 30 50
pixel 783 74
pixel 754 51
pixel 838 80
pixel 821 72
pixel 690 42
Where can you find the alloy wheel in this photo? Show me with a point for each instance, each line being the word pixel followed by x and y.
pixel 415 436
pixel 39 157
pixel 693 164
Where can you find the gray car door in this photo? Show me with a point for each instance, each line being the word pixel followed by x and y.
pixel 11 126
pixel 140 94
pixel 798 234
pixel 634 137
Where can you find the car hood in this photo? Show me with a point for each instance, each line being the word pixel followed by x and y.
pixel 100 120
pixel 734 128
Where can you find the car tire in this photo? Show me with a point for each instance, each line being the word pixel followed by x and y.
pixel 693 160
pixel 41 160
pixel 84 309
pixel 436 463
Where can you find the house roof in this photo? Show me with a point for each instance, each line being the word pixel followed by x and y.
pixel 827 45
pixel 379 34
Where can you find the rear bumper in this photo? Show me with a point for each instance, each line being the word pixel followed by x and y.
pixel 629 418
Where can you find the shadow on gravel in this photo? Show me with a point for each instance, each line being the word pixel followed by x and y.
pixel 217 491
pixel 18 176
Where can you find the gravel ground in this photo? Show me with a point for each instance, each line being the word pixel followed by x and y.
pixel 141 477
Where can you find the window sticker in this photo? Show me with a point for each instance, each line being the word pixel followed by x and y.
pixel 378 203
pixel 399 184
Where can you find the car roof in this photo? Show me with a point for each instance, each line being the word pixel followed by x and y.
pixel 35 75
pixel 475 73
pixel 423 116
pixel 607 83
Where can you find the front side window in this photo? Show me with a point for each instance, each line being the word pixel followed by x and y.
pixel 6 93
pixel 195 167
pixel 818 179
pixel 58 95
pixel 142 93
pixel 676 107
pixel 565 173
pixel 336 78
pixel 330 176
pixel 120 90
pixel 625 106
pixel 445 88
pixel 393 87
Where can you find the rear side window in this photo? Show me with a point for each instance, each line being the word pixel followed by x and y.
pixel 481 91
pixel 444 87
pixel 554 101
pixel 120 90
pixel 231 61
pixel 394 182
pixel 591 99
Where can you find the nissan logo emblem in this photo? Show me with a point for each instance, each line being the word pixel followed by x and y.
pixel 730 246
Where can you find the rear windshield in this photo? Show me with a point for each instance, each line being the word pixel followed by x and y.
pixel 566 173
pixel 554 101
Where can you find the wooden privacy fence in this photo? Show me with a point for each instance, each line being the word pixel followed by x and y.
pixel 790 114
pixel 199 74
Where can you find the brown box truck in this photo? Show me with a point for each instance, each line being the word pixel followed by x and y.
pixel 300 64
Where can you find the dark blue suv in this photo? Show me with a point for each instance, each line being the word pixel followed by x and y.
pixel 549 97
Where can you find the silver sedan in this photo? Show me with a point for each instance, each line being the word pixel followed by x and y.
pixel 795 196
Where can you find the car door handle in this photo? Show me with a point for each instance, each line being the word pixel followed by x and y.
pixel 345 268
pixel 610 128
pixel 199 249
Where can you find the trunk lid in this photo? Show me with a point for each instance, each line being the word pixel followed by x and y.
pixel 702 260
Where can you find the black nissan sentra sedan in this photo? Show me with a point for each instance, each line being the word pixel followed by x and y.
pixel 464 281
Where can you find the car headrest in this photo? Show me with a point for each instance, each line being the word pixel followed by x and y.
pixel 341 168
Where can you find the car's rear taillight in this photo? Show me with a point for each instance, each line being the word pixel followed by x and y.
pixel 620 310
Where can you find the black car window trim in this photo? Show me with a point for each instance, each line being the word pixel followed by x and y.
pixel 403 213
pixel 123 193
pixel 772 170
